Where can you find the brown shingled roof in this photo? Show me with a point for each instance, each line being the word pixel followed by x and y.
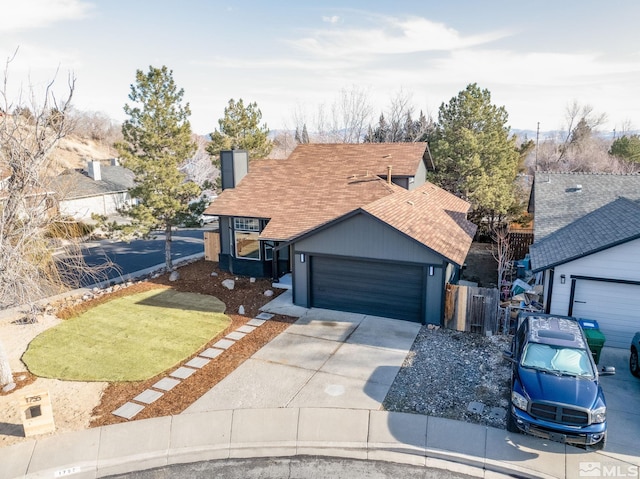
pixel 316 184
pixel 372 158
pixel 431 216
pixel 319 183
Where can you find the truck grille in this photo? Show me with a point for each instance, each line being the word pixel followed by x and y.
pixel 560 414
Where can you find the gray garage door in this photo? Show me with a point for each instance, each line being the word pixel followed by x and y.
pixel 390 290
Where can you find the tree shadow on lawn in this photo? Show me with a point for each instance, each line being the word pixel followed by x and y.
pixel 169 298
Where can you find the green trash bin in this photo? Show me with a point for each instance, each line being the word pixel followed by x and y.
pixel 595 337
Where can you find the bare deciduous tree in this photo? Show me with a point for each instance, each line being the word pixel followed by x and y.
pixel 502 251
pixel 351 115
pixel 29 270
pixel 199 167
pixel 344 121
pixel 399 109
pixel 96 126
pixel 577 114
pixel 284 142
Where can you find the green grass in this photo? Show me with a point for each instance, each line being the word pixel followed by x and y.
pixel 131 338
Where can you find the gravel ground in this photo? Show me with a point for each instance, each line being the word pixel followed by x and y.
pixel 446 371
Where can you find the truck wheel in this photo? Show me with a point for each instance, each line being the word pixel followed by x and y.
pixel 511 423
pixel 634 367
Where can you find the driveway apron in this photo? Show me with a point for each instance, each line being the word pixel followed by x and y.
pixel 325 359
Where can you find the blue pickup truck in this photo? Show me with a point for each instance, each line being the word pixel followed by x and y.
pixel 555 389
pixel 634 363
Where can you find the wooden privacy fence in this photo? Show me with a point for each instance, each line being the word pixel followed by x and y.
pixel 211 245
pixel 519 242
pixel 474 309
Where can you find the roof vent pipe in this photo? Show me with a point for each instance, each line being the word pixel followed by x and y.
pixel 578 187
pixel 389 174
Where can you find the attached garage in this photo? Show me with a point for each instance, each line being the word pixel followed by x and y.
pixel 616 307
pixel 380 288
pixel 361 264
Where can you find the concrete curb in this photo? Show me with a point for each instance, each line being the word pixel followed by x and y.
pixel 288 432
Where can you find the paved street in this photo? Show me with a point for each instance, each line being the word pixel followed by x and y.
pixel 140 254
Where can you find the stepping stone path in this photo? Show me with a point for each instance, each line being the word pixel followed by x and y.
pixel 198 362
pixel 148 396
pixel 211 353
pixel 166 384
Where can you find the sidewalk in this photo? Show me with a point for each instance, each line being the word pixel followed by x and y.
pixel 286 432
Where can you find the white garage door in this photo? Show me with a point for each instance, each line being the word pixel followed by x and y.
pixel 615 306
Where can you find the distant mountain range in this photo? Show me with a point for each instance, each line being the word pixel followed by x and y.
pixel 531 134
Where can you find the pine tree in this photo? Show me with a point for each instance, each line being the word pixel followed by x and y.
pixel 381 133
pixel 409 129
pixel 424 127
pixel 474 156
pixel 627 148
pixel 240 129
pixel 157 140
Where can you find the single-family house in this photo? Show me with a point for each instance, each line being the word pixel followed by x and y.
pixel 357 225
pixel 34 200
pixel 100 188
pixel 587 246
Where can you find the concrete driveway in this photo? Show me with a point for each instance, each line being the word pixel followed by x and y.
pixel 325 359
pixel 622 393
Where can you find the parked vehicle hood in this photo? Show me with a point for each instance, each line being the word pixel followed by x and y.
pixel 542 386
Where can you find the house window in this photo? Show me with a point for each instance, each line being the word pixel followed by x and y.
pixel 247 244
pixel 268 250
pixel 246 224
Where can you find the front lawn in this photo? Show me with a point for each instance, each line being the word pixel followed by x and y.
pixel 130 338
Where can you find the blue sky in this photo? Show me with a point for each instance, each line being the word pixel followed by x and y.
pixel 534 57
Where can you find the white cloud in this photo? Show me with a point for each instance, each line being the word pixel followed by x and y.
pixel 332 19
pixel 391 35
pixel 535 68
pixel 30 14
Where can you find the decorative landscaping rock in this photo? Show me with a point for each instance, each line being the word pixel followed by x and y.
pixel 241 310
pixel 174 276
pixel 229 283
pixel 268 293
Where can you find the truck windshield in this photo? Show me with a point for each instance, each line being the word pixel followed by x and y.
pixel 557 359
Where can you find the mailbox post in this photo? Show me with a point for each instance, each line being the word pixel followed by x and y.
pixel 37 414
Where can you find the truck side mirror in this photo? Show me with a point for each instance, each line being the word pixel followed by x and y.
pixel 607 371
pixel 508 355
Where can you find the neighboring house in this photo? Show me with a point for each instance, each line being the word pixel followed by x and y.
pixel 35 200
pixel 587 245
pixel 357 225
pixel 100 189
